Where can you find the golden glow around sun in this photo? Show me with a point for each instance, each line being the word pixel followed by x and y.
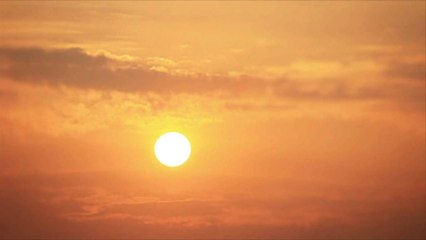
pixel 172 149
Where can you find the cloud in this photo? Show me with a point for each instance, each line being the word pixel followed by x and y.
pixel 73 67
pixel 408 70
pixel 309 81
pixel 84 205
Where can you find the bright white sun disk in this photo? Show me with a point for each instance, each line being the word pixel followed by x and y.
pixel 172 149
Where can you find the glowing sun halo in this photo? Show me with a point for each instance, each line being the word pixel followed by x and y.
pixel 172 149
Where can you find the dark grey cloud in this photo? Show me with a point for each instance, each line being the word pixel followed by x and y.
pixel 75 68
pixel 410 71
pixel 71 67
pixel 336 89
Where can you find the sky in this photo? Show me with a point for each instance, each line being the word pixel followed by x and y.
pixel 306 119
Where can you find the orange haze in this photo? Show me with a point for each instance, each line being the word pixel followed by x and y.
pixel 306 119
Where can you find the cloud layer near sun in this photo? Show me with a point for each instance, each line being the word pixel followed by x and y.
pixel 303 123
pixel 310 80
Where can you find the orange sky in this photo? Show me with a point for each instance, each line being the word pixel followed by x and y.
pixel 306 119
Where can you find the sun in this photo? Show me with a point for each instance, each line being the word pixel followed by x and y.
pixel 172 149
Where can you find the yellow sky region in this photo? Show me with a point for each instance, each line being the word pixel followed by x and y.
pixel 306 119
